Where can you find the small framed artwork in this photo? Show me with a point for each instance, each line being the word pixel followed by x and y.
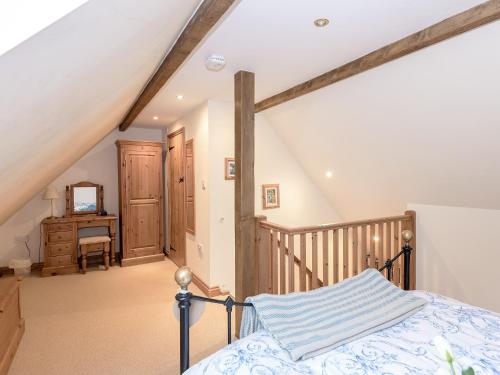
pixel 270 196
pixel 229 168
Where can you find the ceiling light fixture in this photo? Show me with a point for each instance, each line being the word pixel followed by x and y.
pixel 155 118
pixel 328 174
pixel 180 97
pixel 321 22
pixel 215 63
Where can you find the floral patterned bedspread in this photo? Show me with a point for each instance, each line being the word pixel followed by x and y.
pixel 405 348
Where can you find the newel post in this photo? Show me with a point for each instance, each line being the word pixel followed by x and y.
pixel 263 258
pixel 246 282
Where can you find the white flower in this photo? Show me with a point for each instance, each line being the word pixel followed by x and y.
pixel 443 348
pixel 442 371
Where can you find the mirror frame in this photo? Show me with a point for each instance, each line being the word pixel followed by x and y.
pixel 70 199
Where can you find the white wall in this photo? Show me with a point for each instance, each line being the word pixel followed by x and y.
pixel 423 128
pixel 196 127
pixel 301 202
pixel 221 119
pixel 459 253
pixel 212 127
pixel 99 165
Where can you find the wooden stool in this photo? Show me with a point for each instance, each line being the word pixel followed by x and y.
pixel 92 244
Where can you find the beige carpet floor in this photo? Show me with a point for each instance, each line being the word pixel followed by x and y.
pixel 109 322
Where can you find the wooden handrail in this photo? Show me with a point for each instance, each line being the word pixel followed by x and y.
pixel 337 251
pixel 322 227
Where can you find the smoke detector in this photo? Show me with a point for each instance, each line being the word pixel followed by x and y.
pixel 215 63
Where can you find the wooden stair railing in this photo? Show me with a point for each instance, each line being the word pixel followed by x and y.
pixel 306 258
pixel 297 262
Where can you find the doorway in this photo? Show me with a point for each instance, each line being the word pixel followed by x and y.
pixel 176 195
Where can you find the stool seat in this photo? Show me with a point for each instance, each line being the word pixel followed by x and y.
pixel 92 244
pixel 95 239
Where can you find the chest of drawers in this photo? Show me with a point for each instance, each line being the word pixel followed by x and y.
pixel 59 248
pixel 11 323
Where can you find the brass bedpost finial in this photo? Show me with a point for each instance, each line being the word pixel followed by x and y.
pixel 183 277
pixel 407 235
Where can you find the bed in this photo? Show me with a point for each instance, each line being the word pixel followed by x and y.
pixel 362 325
pixel 405 348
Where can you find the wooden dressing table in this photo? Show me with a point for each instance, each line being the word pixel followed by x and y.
pixel 60 234
pixel 61 243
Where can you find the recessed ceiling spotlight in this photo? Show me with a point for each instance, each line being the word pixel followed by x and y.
pixel 215 63
pixel 328 174
pixel 321 22
pixel 180 97
pixel 155 118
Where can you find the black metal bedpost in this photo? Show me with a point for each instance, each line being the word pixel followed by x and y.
pixel 388 266
pixel 407 237
pixel 183 277
pixel 229 309
pixel 184 305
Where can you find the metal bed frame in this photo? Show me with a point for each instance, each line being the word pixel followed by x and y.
pixel 183 277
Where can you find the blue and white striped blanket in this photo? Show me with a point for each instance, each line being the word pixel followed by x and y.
pixel 310 323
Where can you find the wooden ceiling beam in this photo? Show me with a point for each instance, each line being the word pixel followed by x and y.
pixel 482 14
pixel 206 16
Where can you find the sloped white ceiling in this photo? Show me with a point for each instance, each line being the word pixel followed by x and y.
pixel 278 41
pixel 422 129
pixel 68 86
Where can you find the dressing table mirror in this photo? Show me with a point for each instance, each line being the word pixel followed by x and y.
pixel 84 198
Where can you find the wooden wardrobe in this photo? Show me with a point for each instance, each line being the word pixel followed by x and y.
pixel 141 201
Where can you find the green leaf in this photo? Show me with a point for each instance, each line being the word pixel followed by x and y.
pixel 448 357
pixel 468 371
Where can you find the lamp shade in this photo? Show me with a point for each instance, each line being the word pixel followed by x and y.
pixel 50 193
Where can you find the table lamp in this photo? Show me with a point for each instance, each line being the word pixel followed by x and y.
pixel 51 193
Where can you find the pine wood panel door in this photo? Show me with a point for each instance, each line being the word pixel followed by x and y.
pixel 143 189
pixel 176 198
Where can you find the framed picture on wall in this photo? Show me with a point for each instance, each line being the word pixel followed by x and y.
pixel 270 196
pixel 229 168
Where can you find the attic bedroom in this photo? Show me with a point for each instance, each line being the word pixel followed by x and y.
pixel 249 187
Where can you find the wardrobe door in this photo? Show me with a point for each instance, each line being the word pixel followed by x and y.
pixel 143 202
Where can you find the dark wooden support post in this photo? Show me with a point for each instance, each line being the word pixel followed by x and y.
pixel 244 203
